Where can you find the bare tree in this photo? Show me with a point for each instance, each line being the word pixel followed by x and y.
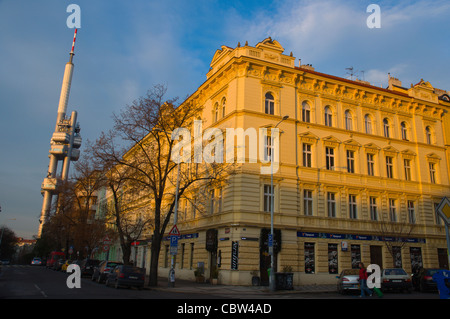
pixel 144 129
pixel 394 229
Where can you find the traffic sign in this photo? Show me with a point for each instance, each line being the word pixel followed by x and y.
pixel 443 210
pixel 106 240
pixel 173 245
pixel 174 231
pixel 105 247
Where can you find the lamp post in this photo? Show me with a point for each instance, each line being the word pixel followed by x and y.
pixel 272 272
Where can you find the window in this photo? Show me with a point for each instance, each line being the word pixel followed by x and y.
pixel 436 215
pixel 307 155
pixel 428 135
pixel 373 208
pixel 389 167
pixel 270 104
pixel 432 173
pixel 267 198
pixel 348 120
pixel 350 161
pixel 407 166
pixel 307 203
pixel 370 165
pixel 216 112
pixel 333 258
pixel 224 102
pixel 331 204
pixel 356 256
pixel 368 124
pixel 392 210
pixel 212 201
pixel 219 200
pixel 411 212
pixel 328 117
pixel 309 258
pixel 352 207
pixel 306 112
pixel 386 128
pixel 404 131
pixel 268 149
pixel 329 153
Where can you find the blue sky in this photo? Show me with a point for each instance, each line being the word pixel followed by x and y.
pixel 125 47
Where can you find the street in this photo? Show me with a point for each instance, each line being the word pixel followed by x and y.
pixel 35 282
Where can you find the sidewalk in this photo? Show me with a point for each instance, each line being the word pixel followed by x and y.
pixel 186 286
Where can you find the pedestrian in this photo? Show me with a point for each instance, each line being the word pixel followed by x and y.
pixel 363 281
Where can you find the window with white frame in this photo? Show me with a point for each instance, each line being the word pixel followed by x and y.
pixel 307 155
pixel 267 198
pixel 224 103
pixel 392 210
pixel 269 104
pixel 307 202
pixel 386 128
pixel 428 135
pixel 373 208
pixel 268 148
pixel 411 212
pixel 216 112
pixel 368 124
pixel 407 166
pixel 348 120
pixel 389 167
pixel 432 169
pixel 404 131
pixel 328 116
pixel 352 207
pixel 329 158
pixel 350 161
pixel 370 164
pixel 331 204
pixel 306 112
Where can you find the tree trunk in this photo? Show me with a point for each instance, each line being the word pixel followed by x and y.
pixel 156 248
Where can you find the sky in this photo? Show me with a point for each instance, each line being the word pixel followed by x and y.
pixel 124 48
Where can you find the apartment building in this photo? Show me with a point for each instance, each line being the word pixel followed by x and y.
pixel 361 169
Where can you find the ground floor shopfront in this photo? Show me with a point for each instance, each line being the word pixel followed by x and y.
pixel 240 253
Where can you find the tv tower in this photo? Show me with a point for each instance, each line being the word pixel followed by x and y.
pixel 64 144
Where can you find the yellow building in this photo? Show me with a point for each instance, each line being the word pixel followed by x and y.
pixel 360 166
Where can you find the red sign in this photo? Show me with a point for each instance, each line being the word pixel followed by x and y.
pixel 174 231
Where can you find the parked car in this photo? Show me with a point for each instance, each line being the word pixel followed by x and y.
pixel 129 276
pixel 54 256
pixel 65 265
pixel 348 281
pixel 87 266
pixel 395 279
pixel 58 263
pixel 423 279
pixel 36 261
pixel 103 269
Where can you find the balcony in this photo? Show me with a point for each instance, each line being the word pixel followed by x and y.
pixel 61 137
pixel 51 185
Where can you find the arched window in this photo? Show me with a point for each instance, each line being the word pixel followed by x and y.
pixel 386 127
pixel 348 120
pixel 328 116
pixel 428 134
pixel 404 131
pixel 269 104
pixel 368 124
pixel 216 112
pixel 306 112
pixel 224 102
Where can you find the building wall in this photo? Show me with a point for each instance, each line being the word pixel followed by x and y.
pixel 243 81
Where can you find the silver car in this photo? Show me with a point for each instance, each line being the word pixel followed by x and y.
pixel 395 279
pixel 348 281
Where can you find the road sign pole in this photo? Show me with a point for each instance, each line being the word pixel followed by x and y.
pixel 448 243
pixel 175 217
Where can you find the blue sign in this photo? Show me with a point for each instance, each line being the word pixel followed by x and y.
pixel 173 245
pixel 270 240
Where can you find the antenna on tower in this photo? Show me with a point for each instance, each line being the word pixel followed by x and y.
pixel 73 46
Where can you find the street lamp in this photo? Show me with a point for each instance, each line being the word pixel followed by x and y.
pixel 272 272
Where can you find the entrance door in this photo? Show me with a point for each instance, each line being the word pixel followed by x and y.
pixel 376 256
pixel 264 266
pixel 443 258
